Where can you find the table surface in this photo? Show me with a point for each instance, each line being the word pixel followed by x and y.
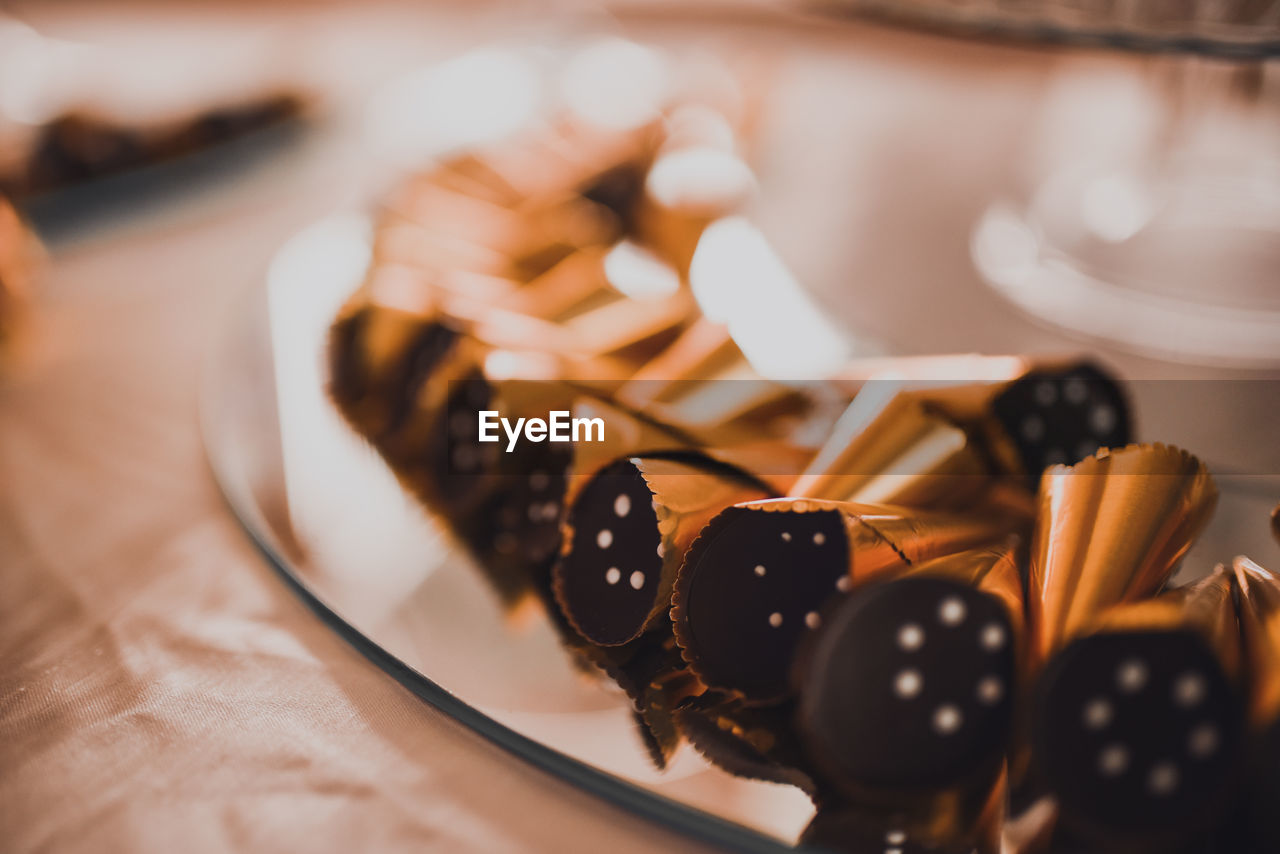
pixel 160 688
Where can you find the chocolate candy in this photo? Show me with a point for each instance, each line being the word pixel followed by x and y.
pixel 1062 416
pixel 630 526
pixel 760 575
pixel 753 589
pixel 520 525
pixel 853 831
pixel 656 681
pixel 609 578
pixel 910 686
pixel 82 146
pixel 1139 721
pixel 1137 732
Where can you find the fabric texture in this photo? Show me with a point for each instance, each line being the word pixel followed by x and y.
pixel 160 688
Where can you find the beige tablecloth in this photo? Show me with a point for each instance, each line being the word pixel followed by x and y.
pixel 160 688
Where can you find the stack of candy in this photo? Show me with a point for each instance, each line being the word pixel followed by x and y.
pixel 953 606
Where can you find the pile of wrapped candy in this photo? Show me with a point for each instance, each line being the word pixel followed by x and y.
pixel 931 592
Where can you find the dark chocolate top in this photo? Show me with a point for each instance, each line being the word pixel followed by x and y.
pixel 864 832
pixel 520 524
pixel 753 589
pixel 609 580
pixel 909 686
pixel 1063 416
pixel 1136 732
pixel 459 460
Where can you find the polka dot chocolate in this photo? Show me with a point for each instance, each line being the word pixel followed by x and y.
pixel 609 580
pixel 1062 416
pixel 1136 732
pixel 909 686
pixel 760 577
pixel 861 831
pixel 520 525
pixel 458 459
pixel 751 589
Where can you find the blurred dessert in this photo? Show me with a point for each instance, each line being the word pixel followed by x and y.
pixel 84 145
pixel 74 111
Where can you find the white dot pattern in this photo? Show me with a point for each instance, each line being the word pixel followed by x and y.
pixel 1203 741
pixel 1163 778
pixel 952 611
pixel 1113 760
pixel 907 684
pixel 992 638
pixel 1131 676
pixel 1097 714
pixel 947 719
pixel 1189 690
pixel 990 690
pixel 910 637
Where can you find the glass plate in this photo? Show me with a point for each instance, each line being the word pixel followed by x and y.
pixel 331 519
pixel 329 516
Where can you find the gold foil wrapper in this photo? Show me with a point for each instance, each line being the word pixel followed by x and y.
pixel 603 302
pixel 890 449
pixel 703 383
pixel 931 431
pixel 1206 607
pixel 1110 530
pixel 1258 591
pixel 696 178
pixel 528 236
pixel 656 682
pixel 752 742
pixel 966 391
pixel 1259 594
pixel 568 154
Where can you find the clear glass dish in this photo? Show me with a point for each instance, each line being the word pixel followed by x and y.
pixel 330 518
